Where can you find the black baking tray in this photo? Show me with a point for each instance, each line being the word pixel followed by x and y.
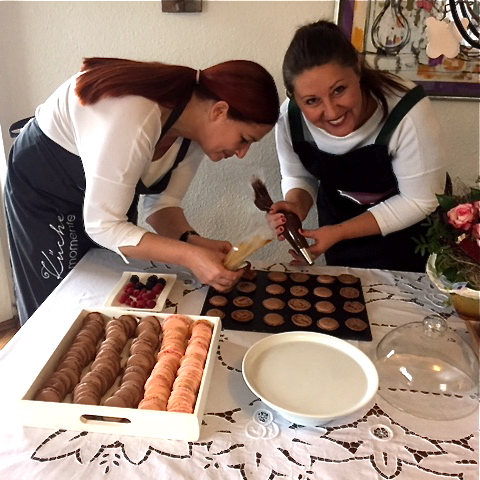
pixel 261 281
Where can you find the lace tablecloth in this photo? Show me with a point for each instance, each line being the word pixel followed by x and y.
pixel 241 438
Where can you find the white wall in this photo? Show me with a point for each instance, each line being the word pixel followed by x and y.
pixel 7 308
pixel 42 43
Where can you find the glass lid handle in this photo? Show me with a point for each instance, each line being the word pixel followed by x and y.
pixel 434 326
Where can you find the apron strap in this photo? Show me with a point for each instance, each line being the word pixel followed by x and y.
pixel 398 113
pixel 295 123
pixel 172 118
pixel 15 128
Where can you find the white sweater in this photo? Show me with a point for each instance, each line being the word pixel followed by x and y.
pixel 418 161
pixel 115 139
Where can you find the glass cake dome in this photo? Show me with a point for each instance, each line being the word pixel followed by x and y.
pixel 428 370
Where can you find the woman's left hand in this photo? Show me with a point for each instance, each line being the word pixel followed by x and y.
pixel 324 238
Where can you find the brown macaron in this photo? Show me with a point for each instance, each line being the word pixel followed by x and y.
pixel 215 312
pixel 347 278
pixel 274 319
pixel 323 278
pixel 323 292
pixel 273 303
pixel 325 307
pixel 277 276
pixel 299 304
pixel 356 324
pixel 301 320
pixel 274 289
pixel 299 291
pixel 327 323
pixel 246 287
pixel 218 300
pixel 349 292
pixel 352 306
pixel 242 316
pixel 242 301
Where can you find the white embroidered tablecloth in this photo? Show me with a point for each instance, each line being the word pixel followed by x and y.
pixel 241 438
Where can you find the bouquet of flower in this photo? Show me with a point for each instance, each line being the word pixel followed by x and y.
pixel 453 234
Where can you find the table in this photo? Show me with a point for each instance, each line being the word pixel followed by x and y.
pixel 379 442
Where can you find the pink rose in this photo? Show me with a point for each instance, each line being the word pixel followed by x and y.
pixel 426 4
pixel 461 216
pixel 476 232
pixel 476 205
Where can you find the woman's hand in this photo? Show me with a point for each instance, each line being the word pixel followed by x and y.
pixel 207 266
pixel 324 238
pixel 276 219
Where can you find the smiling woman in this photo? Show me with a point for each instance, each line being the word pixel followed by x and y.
pixel 365 145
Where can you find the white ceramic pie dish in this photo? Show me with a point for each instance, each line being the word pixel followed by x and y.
pixel 310 378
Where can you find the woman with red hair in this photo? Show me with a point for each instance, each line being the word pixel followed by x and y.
pixel 117 130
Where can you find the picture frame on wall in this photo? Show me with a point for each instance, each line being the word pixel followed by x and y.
pixel 392 36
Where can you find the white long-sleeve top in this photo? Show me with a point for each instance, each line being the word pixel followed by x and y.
pixel 115 139
pixel 418 161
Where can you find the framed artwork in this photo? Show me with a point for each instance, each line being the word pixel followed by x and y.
pixel 392 36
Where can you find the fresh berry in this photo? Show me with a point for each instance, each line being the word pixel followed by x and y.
pixel 137 294
pixel 123 297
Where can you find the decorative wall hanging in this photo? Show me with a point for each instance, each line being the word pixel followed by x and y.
pixel 393 36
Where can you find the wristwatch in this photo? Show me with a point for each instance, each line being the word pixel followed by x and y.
pixel 186 235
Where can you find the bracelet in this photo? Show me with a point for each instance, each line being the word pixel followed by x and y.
pixel 186 235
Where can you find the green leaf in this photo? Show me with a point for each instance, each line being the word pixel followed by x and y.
pixel 447 202
pixel 474 194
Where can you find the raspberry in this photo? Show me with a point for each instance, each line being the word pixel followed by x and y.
pixel 123 297
pixel 151 303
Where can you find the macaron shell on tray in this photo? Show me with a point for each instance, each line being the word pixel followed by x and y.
pixel 112 419
pixel 274 302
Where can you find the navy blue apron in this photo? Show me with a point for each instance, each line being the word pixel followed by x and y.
pixel 351 183
pixel 44 195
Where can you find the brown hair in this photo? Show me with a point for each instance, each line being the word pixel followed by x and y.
pixel 323 42
pixel 246 86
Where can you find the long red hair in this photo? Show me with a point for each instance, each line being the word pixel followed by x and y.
pixel 246 86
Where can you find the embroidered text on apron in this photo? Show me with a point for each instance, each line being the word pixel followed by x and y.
pixel 351 183
pixel 44 216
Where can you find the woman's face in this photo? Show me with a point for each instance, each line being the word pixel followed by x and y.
pixel 330 97
pixel 224 137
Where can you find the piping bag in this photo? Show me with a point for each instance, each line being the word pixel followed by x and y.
pixel 264 202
